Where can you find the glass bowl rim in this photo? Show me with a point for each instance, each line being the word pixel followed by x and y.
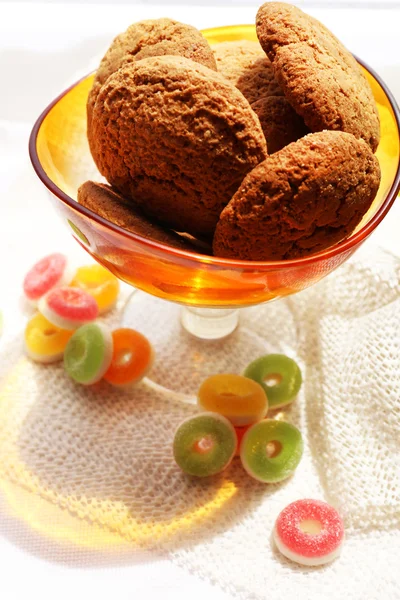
pixel 345 245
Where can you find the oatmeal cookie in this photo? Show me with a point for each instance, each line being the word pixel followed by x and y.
pixel 156 37
pixel 319 77
pixel 246 65
pixel 303 199
pixel 177 139
pixel 107 203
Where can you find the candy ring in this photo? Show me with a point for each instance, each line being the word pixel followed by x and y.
pixel 205 444
pixel 132 359
pixel 99 283
pixel 45 343
pixel 279 375
pixel 68 308
pixel 309 532
pixel 50 272
pixel 271 450
pixel 88 353
pixel 239 399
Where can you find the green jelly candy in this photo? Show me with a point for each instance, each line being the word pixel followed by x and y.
pixel 205 444
pixel 279 375
pixel 271 450
pixel 88 353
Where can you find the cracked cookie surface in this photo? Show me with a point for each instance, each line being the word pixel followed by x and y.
pixel 175 138
pixel 303 199
pixel 157 37
pixel 319 76
pixel 245 64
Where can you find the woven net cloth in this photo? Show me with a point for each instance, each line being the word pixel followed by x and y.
pixel 105 456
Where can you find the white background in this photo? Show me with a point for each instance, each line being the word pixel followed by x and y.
pixel 43 47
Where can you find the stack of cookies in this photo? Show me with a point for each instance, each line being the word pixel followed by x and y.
pixel 254 151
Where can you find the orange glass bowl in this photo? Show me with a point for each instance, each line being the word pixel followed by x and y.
pixel 61 158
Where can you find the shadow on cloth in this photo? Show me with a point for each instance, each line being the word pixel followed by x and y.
pixel 106 457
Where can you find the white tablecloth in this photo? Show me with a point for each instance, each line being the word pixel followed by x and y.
pixel 42 48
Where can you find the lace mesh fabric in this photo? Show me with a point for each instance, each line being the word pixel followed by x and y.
pixel 105 456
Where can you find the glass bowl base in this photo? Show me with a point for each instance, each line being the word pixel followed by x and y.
pixel 183 361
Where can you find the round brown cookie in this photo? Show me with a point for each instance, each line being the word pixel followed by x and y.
pixel 279 122
pixel 320 78
pixel 303 199
pixel 156 37
pixel 245 64
pixel 107 203
pixel 177 139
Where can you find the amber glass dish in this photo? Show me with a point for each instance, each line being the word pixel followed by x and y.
pixel 61 158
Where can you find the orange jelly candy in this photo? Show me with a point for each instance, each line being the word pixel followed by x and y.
pixel 99 283
pixel 132 359
pixel 239 399
pixel 240 431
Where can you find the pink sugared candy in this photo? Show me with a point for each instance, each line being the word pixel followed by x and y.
pixel 68 307
pixel 309 532
pixel 50 272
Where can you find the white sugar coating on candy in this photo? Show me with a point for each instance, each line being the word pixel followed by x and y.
pixel 89 353
pixel 45 359
pixel 68 308
pixel 108 353
pixel 305 560
pixel 52 271
pixel 68 274
pixel 309 532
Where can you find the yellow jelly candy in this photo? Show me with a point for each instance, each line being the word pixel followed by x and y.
pixel 99 283
pixel 45 342
pixel 239 399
